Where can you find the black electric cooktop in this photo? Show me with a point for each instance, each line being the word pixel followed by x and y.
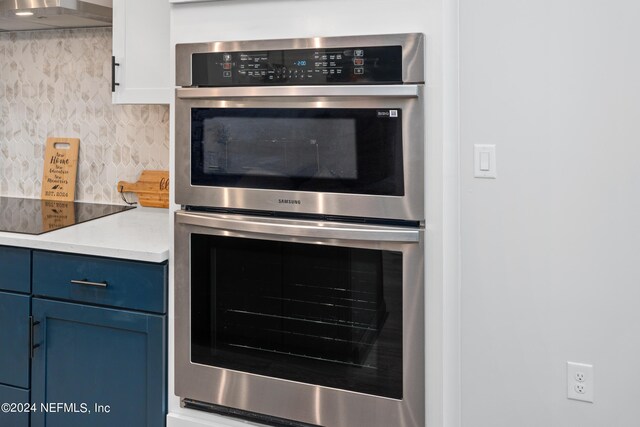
pixel 34 216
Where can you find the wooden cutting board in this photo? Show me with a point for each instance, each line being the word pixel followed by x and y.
pixel 60 169
pixel 152 188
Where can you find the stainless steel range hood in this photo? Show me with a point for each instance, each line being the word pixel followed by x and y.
pixel 26 15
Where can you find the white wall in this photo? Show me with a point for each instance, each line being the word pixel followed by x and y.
pixel 260 19
pixel 551 249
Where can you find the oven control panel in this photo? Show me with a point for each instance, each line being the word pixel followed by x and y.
pixel 353 65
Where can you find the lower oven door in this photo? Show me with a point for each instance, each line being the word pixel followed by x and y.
pixel 317 322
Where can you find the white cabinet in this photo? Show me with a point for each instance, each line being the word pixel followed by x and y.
pixel 141 48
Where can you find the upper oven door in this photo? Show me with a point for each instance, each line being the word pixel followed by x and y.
pixel 339 150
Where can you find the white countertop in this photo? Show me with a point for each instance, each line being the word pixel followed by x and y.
pixel 140 234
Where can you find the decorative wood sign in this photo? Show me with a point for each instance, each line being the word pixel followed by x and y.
pixel 152 188
pixel 60 169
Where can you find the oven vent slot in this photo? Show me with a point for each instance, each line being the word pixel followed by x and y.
pixel 244 415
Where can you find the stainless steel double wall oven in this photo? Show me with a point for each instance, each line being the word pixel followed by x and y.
pixel 299 248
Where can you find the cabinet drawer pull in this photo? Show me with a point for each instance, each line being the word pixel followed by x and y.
pixel 32 344
pixel 88 283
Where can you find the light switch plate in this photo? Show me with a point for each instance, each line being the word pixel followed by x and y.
pixel 484 161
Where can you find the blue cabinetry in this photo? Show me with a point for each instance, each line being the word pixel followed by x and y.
pixel 14 339
pixel 15 268
pixel 107 364
pixel 15 308
pixel 96 328
pixel 128 284
pixel 17 396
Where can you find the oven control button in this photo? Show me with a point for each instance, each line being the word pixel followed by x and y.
pixel 358 61
pixel 226 57
pixel 358 52
pixel 226 65
pixel 359 70
pixel 226 74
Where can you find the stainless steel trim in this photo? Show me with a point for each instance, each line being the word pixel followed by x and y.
pixel 53 14
pixel 85 282
pixel 408 207
pixel 316 230
pixel 413 69
pixel 382 91
pixel 307 403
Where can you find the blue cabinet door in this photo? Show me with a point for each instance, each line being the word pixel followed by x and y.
pixel 97 367
pixel 17 398
pixel 14 340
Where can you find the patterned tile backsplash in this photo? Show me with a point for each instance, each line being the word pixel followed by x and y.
pixel 58 83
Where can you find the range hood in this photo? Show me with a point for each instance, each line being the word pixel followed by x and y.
pixel 27 15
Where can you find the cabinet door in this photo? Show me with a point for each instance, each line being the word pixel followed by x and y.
pixel 142 49
pixel 14 340
pixel 107 366
pixel 16 416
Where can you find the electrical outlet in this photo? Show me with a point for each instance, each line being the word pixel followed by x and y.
pixel 580 381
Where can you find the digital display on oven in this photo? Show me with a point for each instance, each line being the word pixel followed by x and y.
pixel 370 65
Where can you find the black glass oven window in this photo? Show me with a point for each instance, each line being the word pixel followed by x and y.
pixel 268 146
pixel 317 314
pixel 328 150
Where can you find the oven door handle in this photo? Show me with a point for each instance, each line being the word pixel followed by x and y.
pixel 377 91
pixel 325 230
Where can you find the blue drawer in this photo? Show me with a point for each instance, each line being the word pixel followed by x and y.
pixel 128 284
pixel 18 396
pixel 15 265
